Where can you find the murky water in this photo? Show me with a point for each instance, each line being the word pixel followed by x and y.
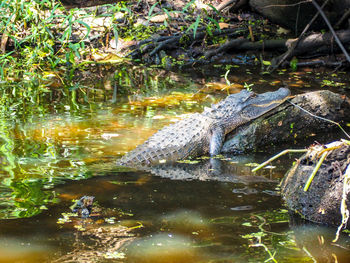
pixel 187 214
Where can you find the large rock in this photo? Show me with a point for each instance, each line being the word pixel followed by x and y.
pixel 288 125
pixel 321 202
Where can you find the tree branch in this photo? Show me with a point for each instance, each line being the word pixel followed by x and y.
pixel 332 30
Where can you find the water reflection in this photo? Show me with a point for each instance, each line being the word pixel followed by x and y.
pixel 209 211
pixel 161 248
pixel 20 250
pixel 204 228
pixel 44 152
pixel 317 241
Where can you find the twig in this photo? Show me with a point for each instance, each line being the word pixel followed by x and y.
pixel 332 30
pixel 342 19
pixel 321 118
pixel 163 42
pixel 343 207
pixel 295 44
pixel 272 256
pixel 251 33
pixel 277 156
pixel 317 167
pixel 288 5
pixel 234 43
pixel 309 254
pixel 324 153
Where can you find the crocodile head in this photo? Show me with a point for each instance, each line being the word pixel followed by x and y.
pixel 257 105
pixel 239 109
pixel 247 104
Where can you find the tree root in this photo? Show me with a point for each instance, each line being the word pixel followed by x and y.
pixel 242 44
pixel 153 46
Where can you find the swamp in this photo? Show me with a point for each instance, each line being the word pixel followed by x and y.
pixel 84 82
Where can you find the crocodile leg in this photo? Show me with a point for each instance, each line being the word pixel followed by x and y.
pixel 216 141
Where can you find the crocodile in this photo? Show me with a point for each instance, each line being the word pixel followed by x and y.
pixel 202 133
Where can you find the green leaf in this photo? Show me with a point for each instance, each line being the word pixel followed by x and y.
pixel 194 26
pixel 116 34
pixel 294 64
pixel 213 7
pixel 151 9
pixel 188 5
pixel 215 22
pixel 167 13
pixel 87 27
pixel 196 23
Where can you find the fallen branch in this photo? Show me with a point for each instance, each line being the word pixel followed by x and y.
pixel 315 44
pixel 317 62
pixel 166 42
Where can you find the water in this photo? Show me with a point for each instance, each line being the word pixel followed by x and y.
pixel 190 213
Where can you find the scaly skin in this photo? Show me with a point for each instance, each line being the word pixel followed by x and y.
pixel 203 133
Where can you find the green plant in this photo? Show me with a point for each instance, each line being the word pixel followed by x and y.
pixel 248 86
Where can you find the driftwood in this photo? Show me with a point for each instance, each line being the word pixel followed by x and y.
pixel 287 125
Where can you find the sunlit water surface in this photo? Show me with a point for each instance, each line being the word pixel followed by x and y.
pixel 51 159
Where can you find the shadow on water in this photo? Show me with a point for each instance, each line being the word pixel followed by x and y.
pixel 197 211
